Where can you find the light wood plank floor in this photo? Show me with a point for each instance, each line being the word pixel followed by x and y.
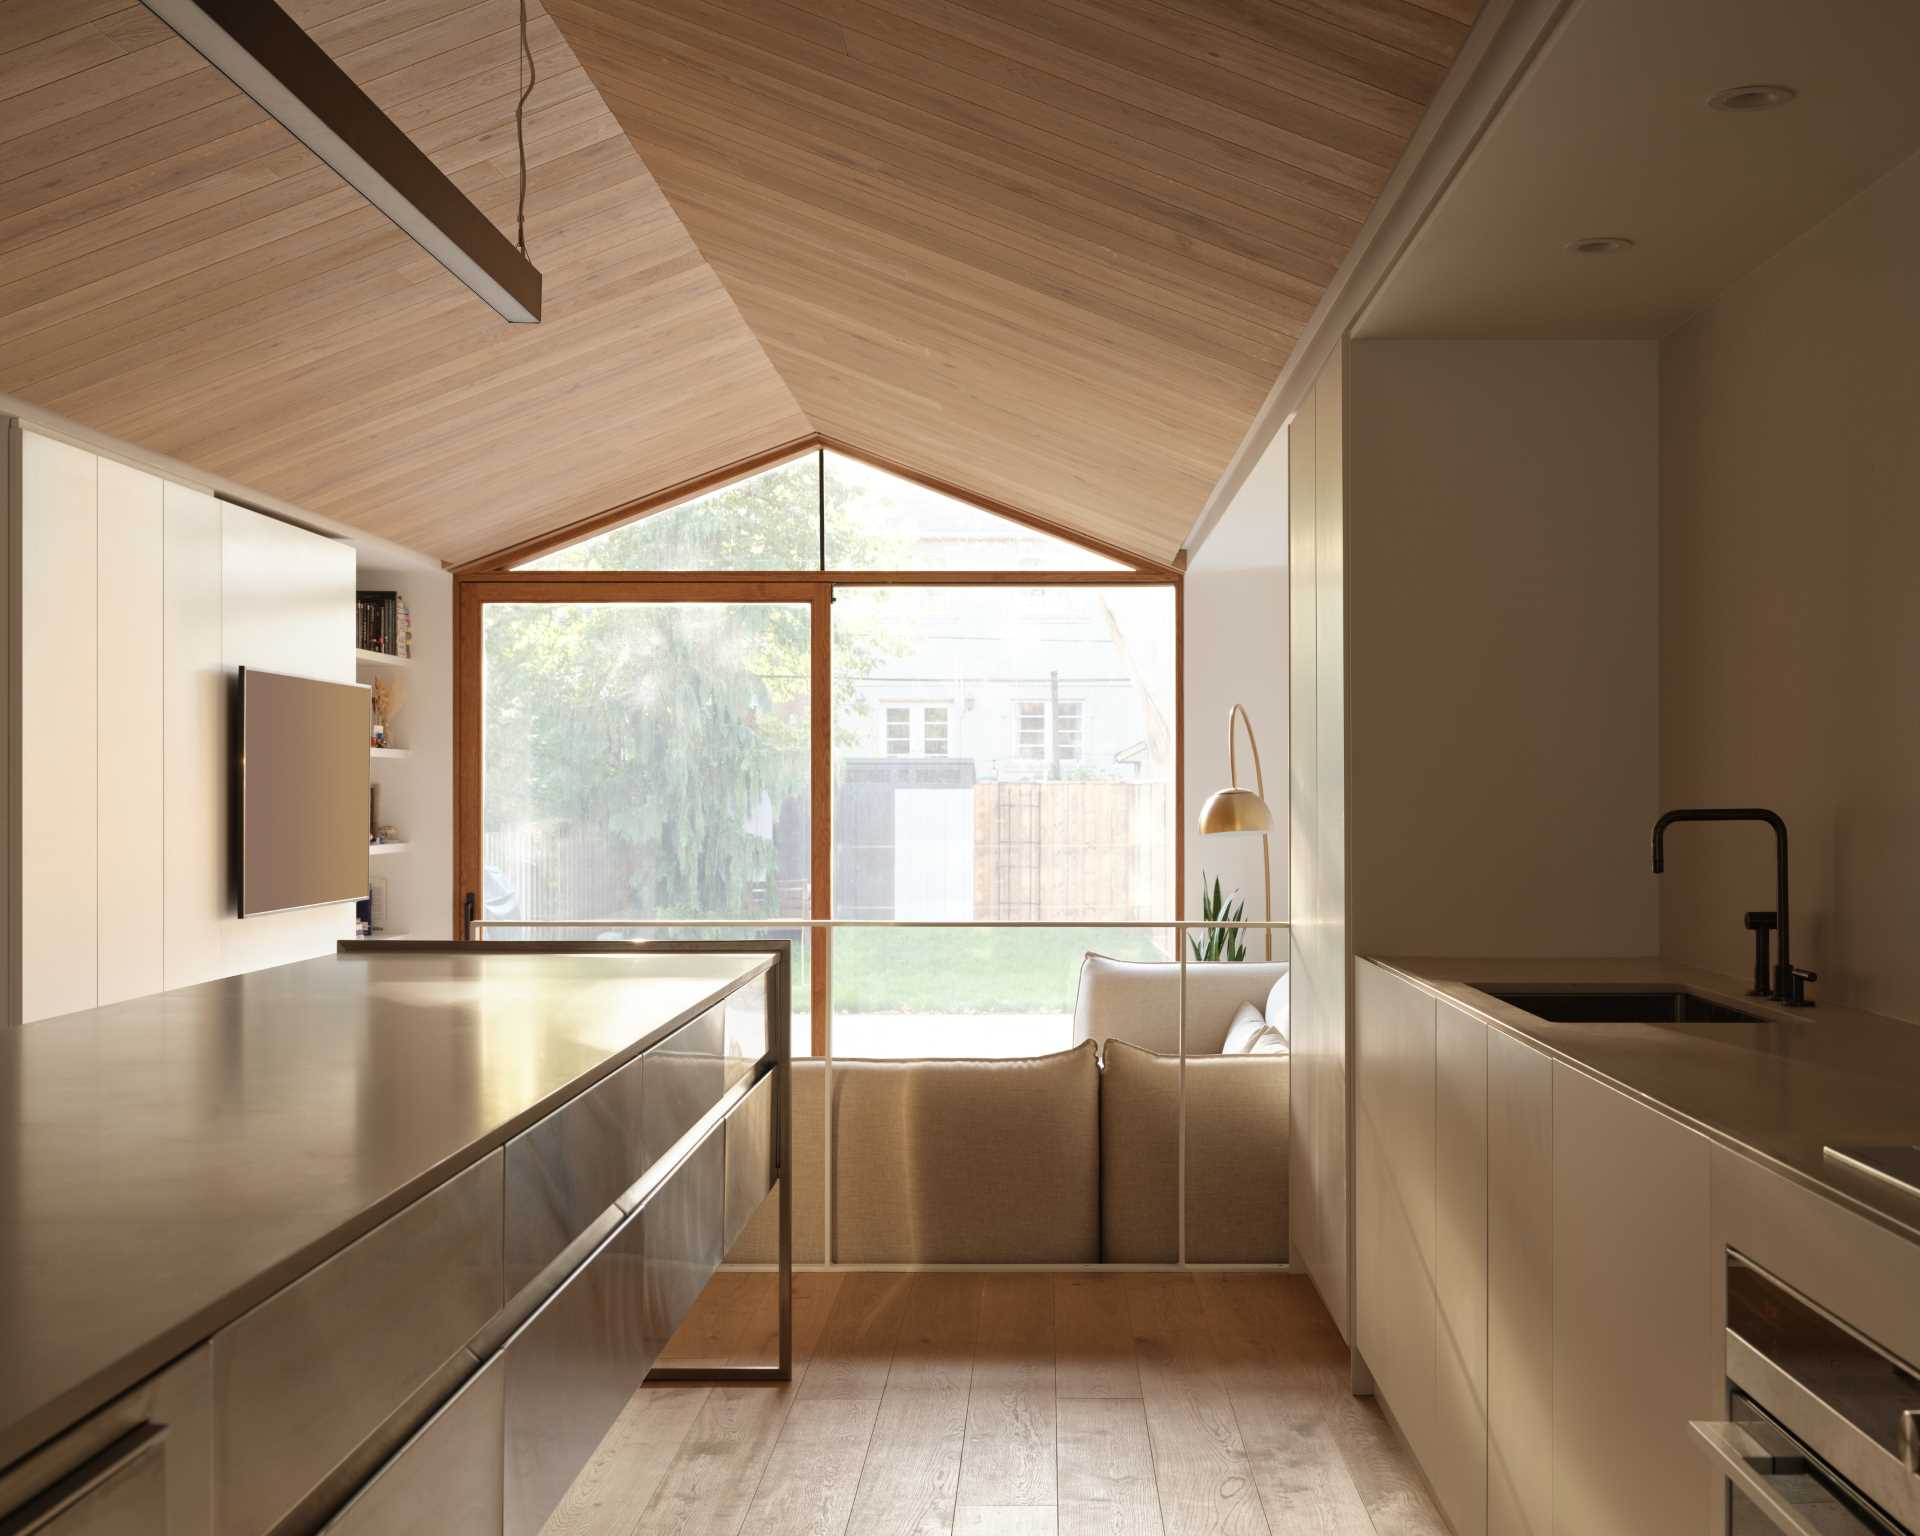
pixel 1009 1405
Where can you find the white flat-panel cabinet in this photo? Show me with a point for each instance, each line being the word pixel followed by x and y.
pixel 1535 1277
pixel 1395 1310
pixel 1519 1288
pixel 1459 1469
pixel 59 890
pixel 132 812
pixel 138 602
pixel 1633 1337
pixel 1421 1229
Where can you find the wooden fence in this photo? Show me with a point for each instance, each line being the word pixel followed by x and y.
pixel 1072 852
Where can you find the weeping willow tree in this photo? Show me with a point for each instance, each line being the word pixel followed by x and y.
pixel 656 747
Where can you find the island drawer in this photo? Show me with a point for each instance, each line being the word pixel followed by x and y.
pixel 750 1148
pixel 301 1381
pixel 682 1225
pixel 110 1464
pixel 684 1077
pixel 571 1167
pixel 747 1033
pixel 447 1477
pixel 573 1366
pixel 120 1491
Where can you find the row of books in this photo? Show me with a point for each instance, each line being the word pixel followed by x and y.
pixel 384 624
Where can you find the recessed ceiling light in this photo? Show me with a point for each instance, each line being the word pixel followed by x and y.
pixel 1600 245
pixel 1751 98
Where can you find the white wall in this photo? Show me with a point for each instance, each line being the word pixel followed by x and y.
pixel 1503 646
pixel 1790 466
pixel 286 606
pixel 1236 652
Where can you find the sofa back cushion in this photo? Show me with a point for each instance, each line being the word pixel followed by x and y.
pixel 947 1162
pixel 1236 1158
pixel 1139 1001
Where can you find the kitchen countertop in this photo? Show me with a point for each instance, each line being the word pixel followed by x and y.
pixel 1777 1092
pixel 169 1162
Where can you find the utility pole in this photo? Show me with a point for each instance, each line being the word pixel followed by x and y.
pixel 1053 724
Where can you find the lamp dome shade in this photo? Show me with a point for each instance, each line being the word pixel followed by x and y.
pixel 1235 810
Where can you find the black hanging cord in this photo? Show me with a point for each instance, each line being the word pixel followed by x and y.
pixel 520 120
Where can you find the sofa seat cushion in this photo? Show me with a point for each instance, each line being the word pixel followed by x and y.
pixel 948 1162
pixel 1237 1113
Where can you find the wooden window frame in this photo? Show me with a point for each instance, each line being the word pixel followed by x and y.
pixel 491 580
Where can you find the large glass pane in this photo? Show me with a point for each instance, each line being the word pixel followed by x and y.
pixel 1000 754
pixel 769 522
pixel 968 992
pixel 879 522
pixel 647 760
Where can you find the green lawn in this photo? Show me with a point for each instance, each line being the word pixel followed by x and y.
pixel 959 970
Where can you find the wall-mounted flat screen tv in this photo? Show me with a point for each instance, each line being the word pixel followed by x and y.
pixel 303 792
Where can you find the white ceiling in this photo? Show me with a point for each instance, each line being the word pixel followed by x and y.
pixel 1608 134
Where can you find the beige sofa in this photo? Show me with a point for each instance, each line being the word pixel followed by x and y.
pixel 1139 1001
pixel 1071 1158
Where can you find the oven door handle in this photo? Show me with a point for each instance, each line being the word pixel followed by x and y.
pixel 1794 1502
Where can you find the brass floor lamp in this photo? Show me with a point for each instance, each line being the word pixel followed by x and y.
pixel 1234 809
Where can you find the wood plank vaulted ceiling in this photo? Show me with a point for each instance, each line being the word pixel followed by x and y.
pixel 1052 251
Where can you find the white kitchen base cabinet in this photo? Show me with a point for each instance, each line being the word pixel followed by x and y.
pixel 1459 1470
pixel 1421 1232
pixel 1534 1277
pixel 1395 1317
pixel 1520 1288
pixel 1634 1347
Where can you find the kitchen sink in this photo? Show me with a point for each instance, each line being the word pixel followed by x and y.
pixel 1631 1005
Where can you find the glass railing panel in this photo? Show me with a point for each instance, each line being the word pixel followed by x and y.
pixel 806 942
pixel 1185 1150
pixel 1236 1088
pixel 977 991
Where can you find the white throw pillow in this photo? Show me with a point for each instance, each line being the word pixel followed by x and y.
pixel 1246 1028
pixel 1279 1012
pixel 1269 1042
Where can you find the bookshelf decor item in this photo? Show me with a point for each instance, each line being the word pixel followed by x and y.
pixel 383 623
pixel 385 703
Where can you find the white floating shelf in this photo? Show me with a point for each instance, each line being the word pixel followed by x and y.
pixel 373 848
pixel 381 659
pixel 389 751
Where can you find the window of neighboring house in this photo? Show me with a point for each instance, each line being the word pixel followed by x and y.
pixel 933 730
pixel 899 731
pixel 1066 728
pixel 917 729
pixel 1030 730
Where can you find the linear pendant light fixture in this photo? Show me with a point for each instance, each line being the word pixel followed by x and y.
pixel 265 52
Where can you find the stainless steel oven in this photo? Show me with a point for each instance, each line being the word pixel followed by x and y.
pixel 1822 1434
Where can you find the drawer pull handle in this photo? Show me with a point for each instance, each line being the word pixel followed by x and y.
pixel 1793 1502
pixel 39 1513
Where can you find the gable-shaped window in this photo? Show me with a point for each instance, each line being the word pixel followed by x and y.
pixel 767 522
pixel 822 511
pixel 826 691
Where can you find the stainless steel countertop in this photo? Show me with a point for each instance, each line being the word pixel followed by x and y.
pixel 1778 1092
pixel 167 1163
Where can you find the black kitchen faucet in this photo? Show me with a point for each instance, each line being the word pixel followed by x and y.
pixel 1789 983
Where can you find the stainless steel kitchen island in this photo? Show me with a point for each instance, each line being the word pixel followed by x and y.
pixel 385 1217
